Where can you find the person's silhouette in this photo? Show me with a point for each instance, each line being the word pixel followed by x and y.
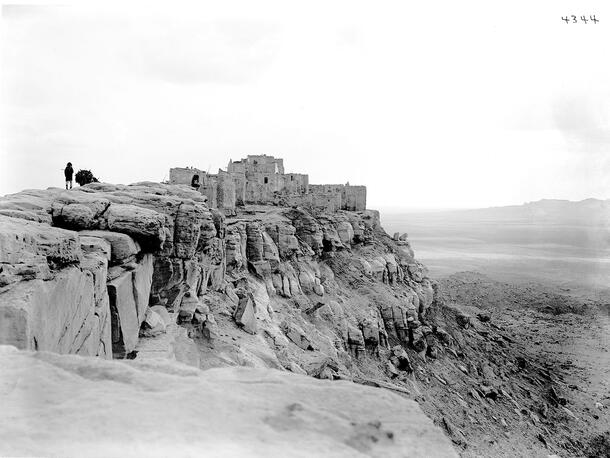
pixel 68 172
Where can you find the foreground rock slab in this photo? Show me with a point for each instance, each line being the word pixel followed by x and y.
pixel 66 405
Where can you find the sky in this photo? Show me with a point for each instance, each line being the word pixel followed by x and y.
pixel 438 104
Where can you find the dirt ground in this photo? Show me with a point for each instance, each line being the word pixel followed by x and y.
pixel 526 371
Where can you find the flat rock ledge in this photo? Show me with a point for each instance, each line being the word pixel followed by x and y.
pixel 68 405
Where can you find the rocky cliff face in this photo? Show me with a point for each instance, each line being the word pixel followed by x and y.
pixel 149 269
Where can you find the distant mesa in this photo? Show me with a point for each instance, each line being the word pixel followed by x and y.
pixel 260 179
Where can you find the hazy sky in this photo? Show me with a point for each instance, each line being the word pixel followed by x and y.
pixel 430 104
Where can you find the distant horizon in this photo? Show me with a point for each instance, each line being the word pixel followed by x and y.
pixel 415 209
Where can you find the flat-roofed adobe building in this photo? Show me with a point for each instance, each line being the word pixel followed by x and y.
pixel 261 179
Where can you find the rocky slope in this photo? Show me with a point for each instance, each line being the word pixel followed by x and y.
pixel 530 374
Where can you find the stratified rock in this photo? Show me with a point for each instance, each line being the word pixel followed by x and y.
pixel 378 268
pixel 28 249
pixel 283 234
pixel 128 295
pixel 193 227
pixel 330 239
pixel 345 232
pixel 370 333
pixel 254 247
pixel 143 224
pixel 125 324
pixel 235 247
pixel 122 245
pixel 78 211
pixel 307 229
pixel 307 279
pixel 415 272
pixel 270 250
pixel 95 245
pixel 142 281
pixel 54 315
pixel 355 340
pixel 291 268
pixel 30 204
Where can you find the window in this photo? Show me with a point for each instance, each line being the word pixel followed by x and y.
pixel 291 178
pixel 266 180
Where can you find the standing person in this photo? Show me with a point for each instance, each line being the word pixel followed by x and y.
pixel 68 172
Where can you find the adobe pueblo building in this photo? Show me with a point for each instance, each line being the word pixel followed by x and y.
pixel 260 179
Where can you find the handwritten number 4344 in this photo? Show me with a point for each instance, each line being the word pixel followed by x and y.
pixel 574 19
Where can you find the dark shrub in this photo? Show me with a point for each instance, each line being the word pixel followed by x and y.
pixel 84 177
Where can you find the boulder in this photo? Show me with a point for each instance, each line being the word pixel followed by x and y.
pixel 245 314
pixel 163 313
pixel 297 336
pixel 318 288
pixel 418 341
pixel 188 306
pixel 401 359
pixel 153 324
pixel 391 369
